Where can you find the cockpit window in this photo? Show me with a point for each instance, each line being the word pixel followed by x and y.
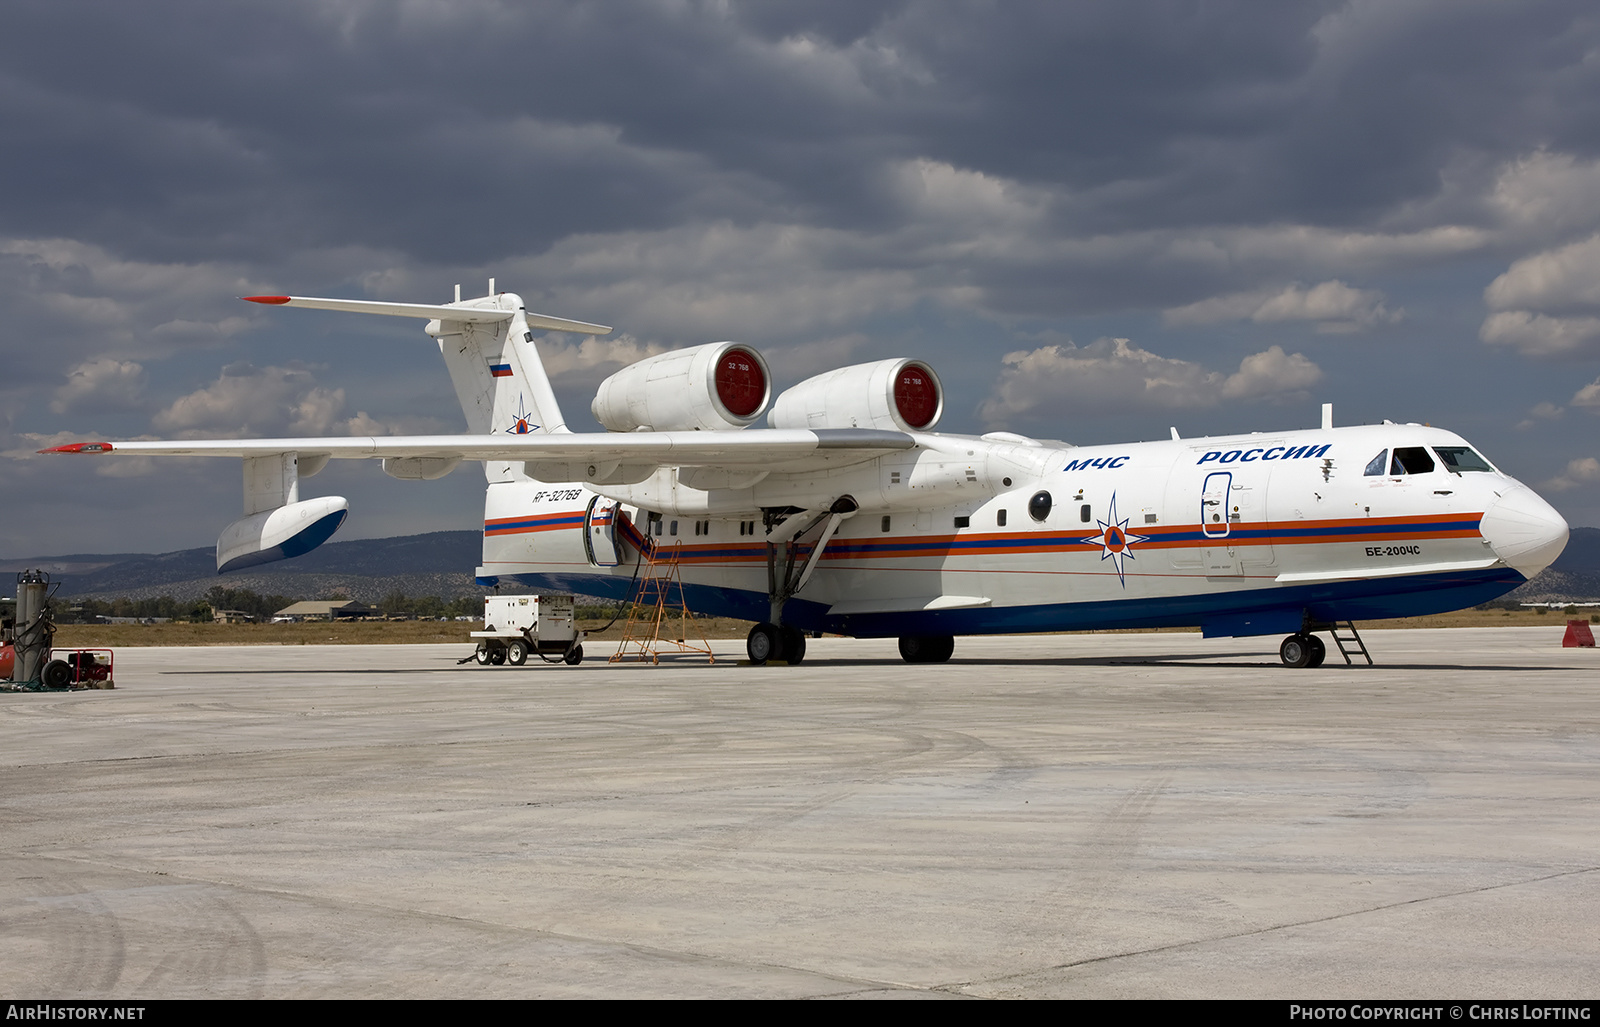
pixel 1411 460
pixel 1379 462
pixel 1460 458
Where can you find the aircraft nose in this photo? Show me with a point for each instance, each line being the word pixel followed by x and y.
pixel 1525 531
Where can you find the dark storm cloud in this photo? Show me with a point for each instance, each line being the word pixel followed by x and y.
pixel 216 130
pixel 467 132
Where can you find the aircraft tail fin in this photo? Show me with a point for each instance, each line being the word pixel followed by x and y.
pixel 487 345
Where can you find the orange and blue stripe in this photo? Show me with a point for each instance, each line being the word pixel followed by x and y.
pixel 1274 533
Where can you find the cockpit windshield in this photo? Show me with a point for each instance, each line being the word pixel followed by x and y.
pixel 1460 458
pixel 1410 460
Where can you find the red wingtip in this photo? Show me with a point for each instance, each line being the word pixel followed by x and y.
pixel 265 299
pixel 80 447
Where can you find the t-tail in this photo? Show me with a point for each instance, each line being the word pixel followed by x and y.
pixel 487 345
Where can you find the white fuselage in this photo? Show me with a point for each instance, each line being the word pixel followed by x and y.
pixel 1242 534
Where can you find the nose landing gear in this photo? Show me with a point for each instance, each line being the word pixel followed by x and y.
pixel 1302 650
pixel 926 648
pixel 1305 649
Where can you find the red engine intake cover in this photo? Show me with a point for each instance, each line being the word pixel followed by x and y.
pixel 915 396
pixel 740 384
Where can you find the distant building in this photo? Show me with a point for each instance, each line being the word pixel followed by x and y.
pixel 230 617
pixel 325 609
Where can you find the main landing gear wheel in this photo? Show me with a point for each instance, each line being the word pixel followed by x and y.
pixel 572 657
pixel 764 643
pixel 926 648
pixel 516 653
pixel 794 644
pixel 1302 651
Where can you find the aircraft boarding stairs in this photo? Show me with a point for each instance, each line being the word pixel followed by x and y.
pixel 1350 642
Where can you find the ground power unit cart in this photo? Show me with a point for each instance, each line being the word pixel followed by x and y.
pixel 516 626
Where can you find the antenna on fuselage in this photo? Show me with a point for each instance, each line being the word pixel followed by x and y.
pixel 1327 416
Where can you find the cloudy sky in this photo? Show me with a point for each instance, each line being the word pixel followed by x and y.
pixel 1094 219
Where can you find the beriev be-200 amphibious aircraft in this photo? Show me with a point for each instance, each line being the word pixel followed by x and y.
pixel 850 514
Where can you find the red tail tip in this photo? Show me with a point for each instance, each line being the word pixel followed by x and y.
pixel 265 299
pixel 80 447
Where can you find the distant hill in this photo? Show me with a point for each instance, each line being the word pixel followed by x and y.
pixel 442 563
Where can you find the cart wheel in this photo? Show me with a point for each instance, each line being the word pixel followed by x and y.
pixel 516 652
pixel 497 656
pixel 482 656
pixel 56 674
pixel 574 656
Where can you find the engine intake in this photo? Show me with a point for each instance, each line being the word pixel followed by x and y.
pixel 713 387
pixel 895 395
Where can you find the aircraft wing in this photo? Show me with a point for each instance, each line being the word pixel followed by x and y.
pixel 430 311
pixel 770 449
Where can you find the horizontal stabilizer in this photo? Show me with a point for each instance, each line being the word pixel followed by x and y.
pixel 429 312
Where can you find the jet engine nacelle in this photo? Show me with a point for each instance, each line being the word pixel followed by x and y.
pixel 280 533
pixel 718 386
pixel 893 395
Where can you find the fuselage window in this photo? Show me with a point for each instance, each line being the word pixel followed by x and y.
pixel 1000 518
pixel 1460 458
pixel 1039 506
pixel 1411 460
pixel 674 529
pixel 963 521
pixel 652 524
pixel 1379 462
pixel 1083 513
pixel 885 523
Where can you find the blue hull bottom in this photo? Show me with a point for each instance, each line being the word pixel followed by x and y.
pixel 1265 611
